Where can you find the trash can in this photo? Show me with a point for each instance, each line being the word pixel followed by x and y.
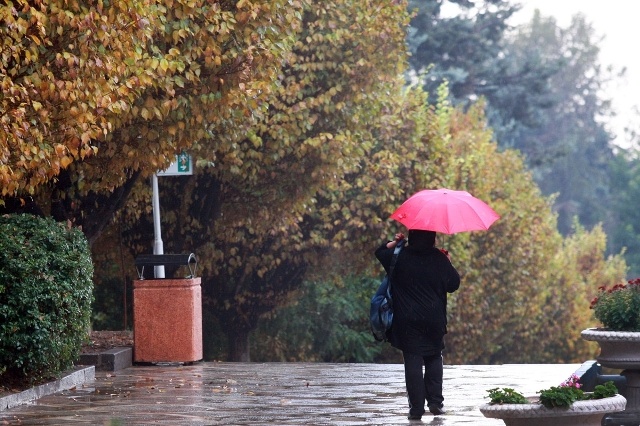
pixel 167 316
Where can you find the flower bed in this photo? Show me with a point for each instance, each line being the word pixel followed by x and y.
pixel 584 413
pixel 566 404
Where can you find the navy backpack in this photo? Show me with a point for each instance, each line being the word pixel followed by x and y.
pixel 381 311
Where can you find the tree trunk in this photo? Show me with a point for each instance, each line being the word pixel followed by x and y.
pixel 238 345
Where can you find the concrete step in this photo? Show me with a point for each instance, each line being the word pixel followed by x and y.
pixel 108 360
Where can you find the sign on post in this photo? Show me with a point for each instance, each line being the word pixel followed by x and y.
pixel 183 166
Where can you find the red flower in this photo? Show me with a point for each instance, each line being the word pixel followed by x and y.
pixel 618 287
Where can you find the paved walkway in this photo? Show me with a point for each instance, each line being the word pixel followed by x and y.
pixel 275 394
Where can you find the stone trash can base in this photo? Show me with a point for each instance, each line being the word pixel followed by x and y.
pixel 167 320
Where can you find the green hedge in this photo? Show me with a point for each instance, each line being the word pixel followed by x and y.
pixel 45 297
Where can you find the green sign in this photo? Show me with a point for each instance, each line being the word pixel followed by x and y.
pixel 183 166
pixel 184 163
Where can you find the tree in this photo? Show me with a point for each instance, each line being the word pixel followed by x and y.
pixel 243 212
pixel 461 48
pixel 64 82
pixel 521 283
pixel 625 234
pixel 578 269
pixel 570 152
pixel 542 85
pixel 299 163
pixel 174 74
pixel 466 44
pixel 494 314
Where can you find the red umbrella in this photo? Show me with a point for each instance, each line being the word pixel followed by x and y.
pixel 445 211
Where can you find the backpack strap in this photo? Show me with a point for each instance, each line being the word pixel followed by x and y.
pixel 396 252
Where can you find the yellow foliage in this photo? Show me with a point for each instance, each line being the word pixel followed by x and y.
pixel 117 63
pixel 269 162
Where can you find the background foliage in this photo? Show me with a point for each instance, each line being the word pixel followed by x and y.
pixel 543 85
pixel 45 297
pixel 502 313
pixel 328 326
pixel 625 213
pixel 310 124
pixel 247 211
pixel 136 83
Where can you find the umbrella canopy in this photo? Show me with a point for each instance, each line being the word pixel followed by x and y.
pixel 445 211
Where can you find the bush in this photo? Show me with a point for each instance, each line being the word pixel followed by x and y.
pixel 506 396
pixel 606 390
pixel 45 297
pixel 328 323
pixel 560 396
pixel 618 307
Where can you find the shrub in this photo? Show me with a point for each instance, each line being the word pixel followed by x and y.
pixel 327 323
pixel 606 390
pixel 45 297
pixel 618 307
pixel 506 396
pixel 562 396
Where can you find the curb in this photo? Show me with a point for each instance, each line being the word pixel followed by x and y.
pixel 69 379
pixel 110 360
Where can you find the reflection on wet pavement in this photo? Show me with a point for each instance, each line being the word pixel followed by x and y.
pixel 275 394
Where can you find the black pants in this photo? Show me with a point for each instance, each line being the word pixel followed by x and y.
pixel 421 387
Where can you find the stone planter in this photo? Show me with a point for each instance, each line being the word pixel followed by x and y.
pixel 583 413
pixel 620 350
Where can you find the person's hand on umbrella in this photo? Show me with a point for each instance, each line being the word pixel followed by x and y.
pixel 396 239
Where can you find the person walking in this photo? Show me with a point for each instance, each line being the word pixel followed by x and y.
pixel 422 277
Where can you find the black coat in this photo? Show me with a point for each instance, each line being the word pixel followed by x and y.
pixel 419 286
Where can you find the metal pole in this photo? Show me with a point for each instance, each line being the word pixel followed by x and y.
pixel 157 241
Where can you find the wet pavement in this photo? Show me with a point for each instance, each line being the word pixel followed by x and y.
pixel 275 394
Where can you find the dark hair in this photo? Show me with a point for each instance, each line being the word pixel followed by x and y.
pixel 419 239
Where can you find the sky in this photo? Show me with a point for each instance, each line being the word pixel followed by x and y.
pixel 616 22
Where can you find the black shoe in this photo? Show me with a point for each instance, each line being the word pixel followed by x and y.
pixel 437 410
pixel 414 417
